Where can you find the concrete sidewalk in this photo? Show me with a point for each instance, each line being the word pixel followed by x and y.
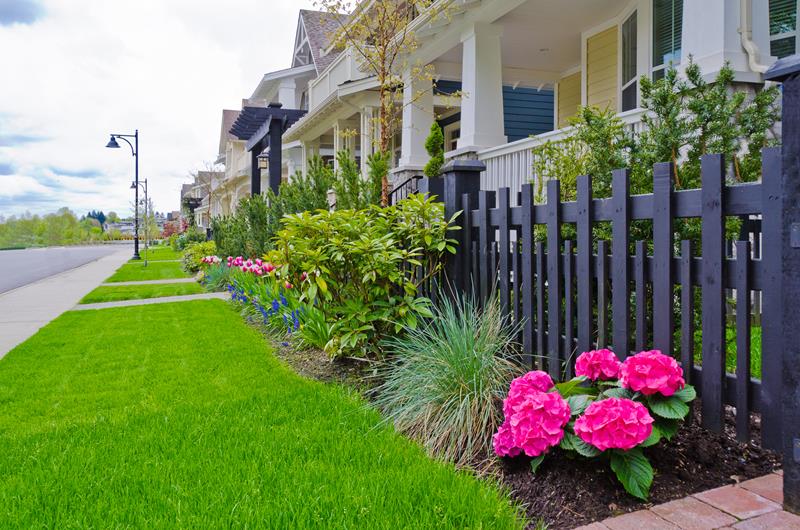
pixel 150 282
pixel 149 301
pixel 26 309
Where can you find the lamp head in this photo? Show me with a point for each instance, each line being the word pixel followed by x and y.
pixel 133 185
pixel 112 143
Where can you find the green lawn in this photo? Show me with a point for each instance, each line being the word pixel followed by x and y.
pixel 136 292
pixel 136 271
pixel 730 349
pixel 178 416
pixel 159 253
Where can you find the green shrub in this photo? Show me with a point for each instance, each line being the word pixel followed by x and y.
pixel 194 253
pixel 314 332
pixel 250 230
pixel 354 260
pixel 446 379
pixel 434 145
pixel 217 277
pixel 181 241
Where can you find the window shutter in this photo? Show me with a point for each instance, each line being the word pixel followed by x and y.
pixel 782 27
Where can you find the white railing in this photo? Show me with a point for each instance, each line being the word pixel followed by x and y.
pixel 343 69
pixel 511 165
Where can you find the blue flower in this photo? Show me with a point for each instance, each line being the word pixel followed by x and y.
pixel 283 300
pixel 275 305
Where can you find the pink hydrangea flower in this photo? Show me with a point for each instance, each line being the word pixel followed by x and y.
pixel 597 364
pixel 535 381
pixel 651 372
pixel 537 421
pixel 614 423
pixel 503 441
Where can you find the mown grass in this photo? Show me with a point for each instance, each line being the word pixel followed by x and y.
pixel 159 253
pixel 178 416
pixel 109 293
pixel 131 272
pixel 730 350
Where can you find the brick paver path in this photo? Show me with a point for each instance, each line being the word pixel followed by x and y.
pixel 751 505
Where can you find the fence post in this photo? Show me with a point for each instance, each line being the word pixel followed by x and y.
pixel 460 177
pixel 787 70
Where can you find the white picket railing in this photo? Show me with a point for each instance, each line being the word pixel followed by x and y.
pixel 511 165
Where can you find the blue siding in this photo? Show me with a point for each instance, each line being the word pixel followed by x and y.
pixel 526 111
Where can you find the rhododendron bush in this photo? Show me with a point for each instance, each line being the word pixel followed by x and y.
pixel 611 410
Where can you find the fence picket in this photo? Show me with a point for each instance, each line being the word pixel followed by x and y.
pixel 620 274
pixel 554 277
pixel 485 236
pixel 662 257
pixel 687 311
pixel 540 273
pixel 641 296
pixel 527 272
pixel 468 273
pixel 504 247
pixel 602 294
pixel 743 341
pixel 584 262
pixel 569 310
pixel 713 234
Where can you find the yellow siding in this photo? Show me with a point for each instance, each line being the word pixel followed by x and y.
pixel 569 98
pixel 601 69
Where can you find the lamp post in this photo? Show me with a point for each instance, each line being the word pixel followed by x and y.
pixel 134 185
pixel 112 144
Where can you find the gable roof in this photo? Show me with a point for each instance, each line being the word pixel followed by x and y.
pixel 228 119
pixel 317 27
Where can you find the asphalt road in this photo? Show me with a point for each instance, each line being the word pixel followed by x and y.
pixel 21 267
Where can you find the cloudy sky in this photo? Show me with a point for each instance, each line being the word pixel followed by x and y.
pixel 74 71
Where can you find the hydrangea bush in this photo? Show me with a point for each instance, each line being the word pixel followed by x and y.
pixel 611 410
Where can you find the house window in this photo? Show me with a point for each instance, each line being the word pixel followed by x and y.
pixel 629 63
pixel 782 27
pixel 667 27
pixel 455 134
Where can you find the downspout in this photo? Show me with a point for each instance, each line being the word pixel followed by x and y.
pixel 746 33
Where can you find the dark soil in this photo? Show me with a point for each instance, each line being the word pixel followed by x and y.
pixel 566 493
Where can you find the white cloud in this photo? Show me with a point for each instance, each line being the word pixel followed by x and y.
pixel 88 68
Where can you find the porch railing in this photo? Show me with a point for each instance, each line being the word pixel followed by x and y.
pixel 511 165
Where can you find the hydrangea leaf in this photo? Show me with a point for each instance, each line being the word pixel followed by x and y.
pixel 653 439
pixel 573 388
pixel 618 392
pixel 536 462
pixel 634 471
pixel 672 408
pixel 577 404
pixel 667 428
pixel 582 448
pixel 687 394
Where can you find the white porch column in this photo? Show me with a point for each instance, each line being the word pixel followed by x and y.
pixel 308 149
pixel 482 123
pixel 367 137
pixel 711 45
pixel 417 121
pixel 287 94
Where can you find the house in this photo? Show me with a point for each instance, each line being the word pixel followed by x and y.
pixel 523 69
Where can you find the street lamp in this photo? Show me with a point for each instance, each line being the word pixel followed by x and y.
pixel 112 144
pixel 146 220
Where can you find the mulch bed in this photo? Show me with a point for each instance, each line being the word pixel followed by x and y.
pixel 564 492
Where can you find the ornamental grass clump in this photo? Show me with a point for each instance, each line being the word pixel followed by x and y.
pixel 611 410
pixel 443 382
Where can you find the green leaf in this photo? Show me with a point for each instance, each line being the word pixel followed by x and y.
pixel 671 408
pixel 566 442
pixel 577 404
pixel 323 286
pixel 667 428
pixel 583 448
pixel 618 393
pixel 687 394
pixel 653 439
pixel 536 462
pixel 573 388
pixel 634 471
